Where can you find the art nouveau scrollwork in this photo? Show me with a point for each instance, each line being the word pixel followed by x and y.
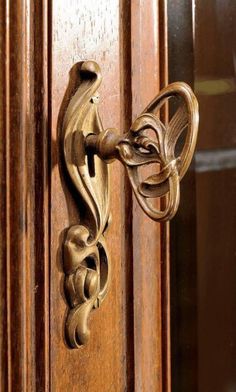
pixel 86 260
pixel 88 149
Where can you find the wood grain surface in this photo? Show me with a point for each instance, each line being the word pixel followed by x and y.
pixel 128 348
pixel 81 31
pixel 24 205
pixel 146 234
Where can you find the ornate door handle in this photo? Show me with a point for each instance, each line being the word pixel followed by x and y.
pixel 88 149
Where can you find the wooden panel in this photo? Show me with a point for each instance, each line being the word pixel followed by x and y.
pixel 146 234
pixel 126 191
pixel 88 30
pixel 115 35
pixel 24 218
pixel 3 217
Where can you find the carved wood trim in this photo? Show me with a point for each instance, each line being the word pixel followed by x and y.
pixel 156 344
pixel 24 203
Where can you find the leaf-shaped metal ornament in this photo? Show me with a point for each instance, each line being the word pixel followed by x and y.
pixel 88 149
pixel 85 253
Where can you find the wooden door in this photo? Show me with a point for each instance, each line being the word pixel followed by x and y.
pixel 128 349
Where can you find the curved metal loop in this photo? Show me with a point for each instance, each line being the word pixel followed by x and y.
pixel 139 149
pixel 87 151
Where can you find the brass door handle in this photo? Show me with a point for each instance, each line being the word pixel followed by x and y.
pixel 88 149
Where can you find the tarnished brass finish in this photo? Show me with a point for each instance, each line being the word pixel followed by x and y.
pixel 88 149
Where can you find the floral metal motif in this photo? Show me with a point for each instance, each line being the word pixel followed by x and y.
pixel 85 256
pixel 87 150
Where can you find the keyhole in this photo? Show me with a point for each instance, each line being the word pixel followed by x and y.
pixel 91 164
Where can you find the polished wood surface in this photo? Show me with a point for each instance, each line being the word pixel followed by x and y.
pixel 24 209
pixel 128 348
pixel 90 31
pixel 146 270
pixel 3 218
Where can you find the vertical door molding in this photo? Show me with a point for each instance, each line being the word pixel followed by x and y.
pixel 24 196
pixel 126 194
pixel 150 252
